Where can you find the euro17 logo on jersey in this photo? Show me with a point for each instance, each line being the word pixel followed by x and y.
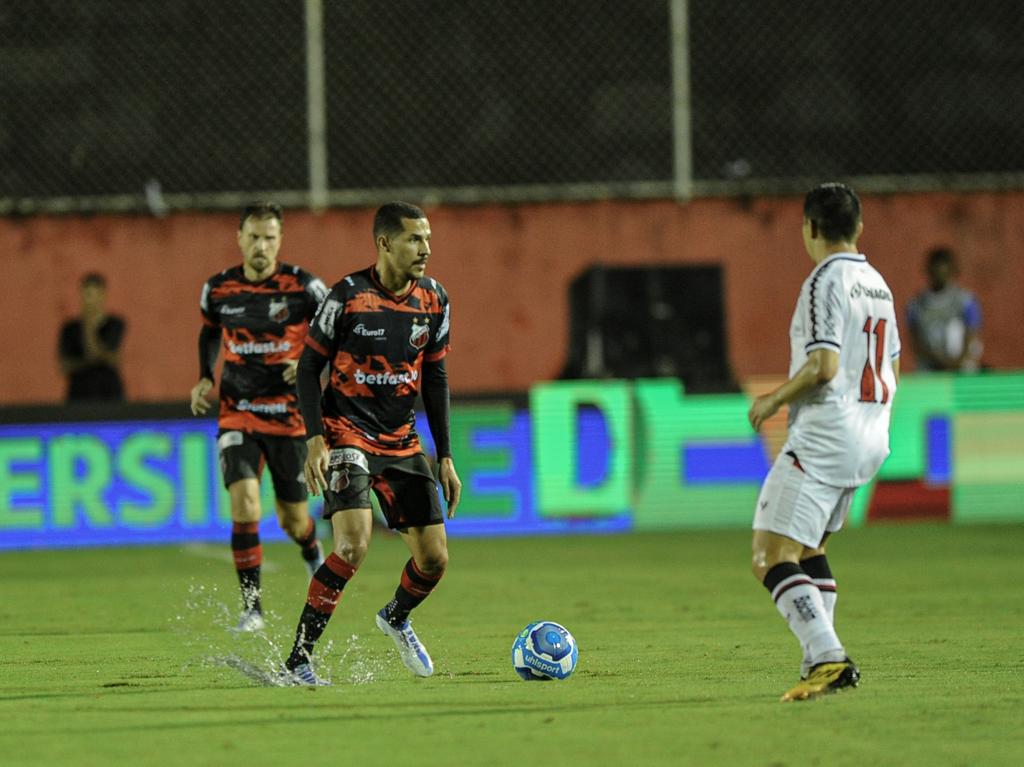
pixel 420 333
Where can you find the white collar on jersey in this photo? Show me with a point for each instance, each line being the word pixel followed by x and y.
pixel 848 256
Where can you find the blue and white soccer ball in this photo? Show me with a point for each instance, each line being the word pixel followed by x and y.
pixel 544 650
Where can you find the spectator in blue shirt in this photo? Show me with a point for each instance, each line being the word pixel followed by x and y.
pixel 945 319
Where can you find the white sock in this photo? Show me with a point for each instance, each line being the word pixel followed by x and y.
pixel 800 602
pixel 827 587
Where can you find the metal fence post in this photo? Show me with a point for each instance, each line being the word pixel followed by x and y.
pixel 682 143
pixel 316 106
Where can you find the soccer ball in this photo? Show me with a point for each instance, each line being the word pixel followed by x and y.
pixel 544 650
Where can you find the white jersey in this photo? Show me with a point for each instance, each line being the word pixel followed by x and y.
pixel 839 431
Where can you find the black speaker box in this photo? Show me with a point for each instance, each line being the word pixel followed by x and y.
pixel 650 322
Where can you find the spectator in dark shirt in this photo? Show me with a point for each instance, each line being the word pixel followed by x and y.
pixel 90 346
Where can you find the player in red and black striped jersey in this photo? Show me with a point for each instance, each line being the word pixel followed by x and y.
pixel 259 314
pixel 384 333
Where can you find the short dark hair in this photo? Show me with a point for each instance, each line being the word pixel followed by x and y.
pixel 388 218
pixel 835 209
pixel 92 278
pixel 261 209
pixel 941 255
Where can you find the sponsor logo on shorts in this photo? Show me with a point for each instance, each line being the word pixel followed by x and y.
pixel 231 310
pixel 341 456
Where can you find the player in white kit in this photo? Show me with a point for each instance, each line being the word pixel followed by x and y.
pixel 842 378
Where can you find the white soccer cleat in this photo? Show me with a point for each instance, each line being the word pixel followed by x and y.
pixel 302 676
pixel 250 622
pixel 414 654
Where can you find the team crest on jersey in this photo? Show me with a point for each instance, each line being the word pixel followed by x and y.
pixel 279 310
pixel 420 333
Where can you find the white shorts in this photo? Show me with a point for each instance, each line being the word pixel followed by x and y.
pixel 799 507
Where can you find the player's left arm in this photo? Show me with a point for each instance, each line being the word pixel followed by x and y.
pixel 895 348
pixel 437 403
pixel 820 368
pixel 827 317
pixel 209 349
pixel 310 366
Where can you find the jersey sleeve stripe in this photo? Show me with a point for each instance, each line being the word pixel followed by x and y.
pixel 813 298
pixel 440 354
pixel 820 344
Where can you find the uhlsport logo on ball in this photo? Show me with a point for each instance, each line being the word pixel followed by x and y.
pixel 544 650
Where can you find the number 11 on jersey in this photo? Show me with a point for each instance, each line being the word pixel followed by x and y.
pixel 873 364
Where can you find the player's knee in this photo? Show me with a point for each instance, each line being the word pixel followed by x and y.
pixel 294 526
pixel 352 551
pixel 434 562
pixel 759 565
pixel 245 507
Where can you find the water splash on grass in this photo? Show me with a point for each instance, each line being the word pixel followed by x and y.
pixel 206 623
pixel 355 664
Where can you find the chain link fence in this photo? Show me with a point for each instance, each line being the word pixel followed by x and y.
pixel 105 97
pixel 121 105
pixel 907 95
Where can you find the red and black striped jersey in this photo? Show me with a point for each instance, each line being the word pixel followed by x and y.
pixel 263 325
pixel 376 343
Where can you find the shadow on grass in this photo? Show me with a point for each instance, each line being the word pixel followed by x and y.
pixel 384 711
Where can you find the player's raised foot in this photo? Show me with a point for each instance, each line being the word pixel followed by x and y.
pixel 414 654
pixel 251 621
pixel 824 678
pixel 302 676
pixel 312 565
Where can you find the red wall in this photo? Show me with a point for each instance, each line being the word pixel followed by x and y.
pixel 507 269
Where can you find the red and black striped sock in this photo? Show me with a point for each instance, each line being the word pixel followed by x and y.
pixel 414 587
pixel 325 589
pixel 307 543
pixel 248 556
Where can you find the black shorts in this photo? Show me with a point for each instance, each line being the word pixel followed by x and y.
pixel 243 454
pixel 404 486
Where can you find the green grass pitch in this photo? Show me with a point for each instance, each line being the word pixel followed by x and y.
pixel 120 656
